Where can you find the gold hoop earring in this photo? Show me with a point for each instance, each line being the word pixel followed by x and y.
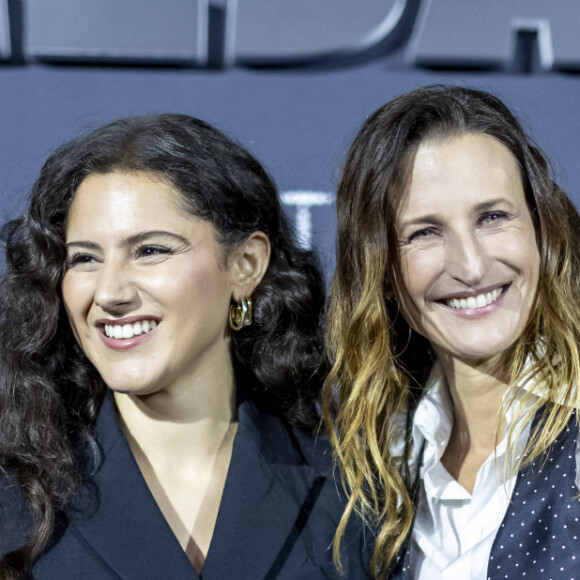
pixel 241 313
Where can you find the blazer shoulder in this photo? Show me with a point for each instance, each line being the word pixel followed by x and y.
pixel 15 518
pixel 358 538
pixel 316 449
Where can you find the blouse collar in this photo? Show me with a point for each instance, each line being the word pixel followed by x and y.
pixel 433 422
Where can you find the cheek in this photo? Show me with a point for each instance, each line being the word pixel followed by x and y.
pixel 199 285
pixel 70 300
pixel 73 293
pixel 532 277
pixel 420 269
pixel 416 279
pixel 521 250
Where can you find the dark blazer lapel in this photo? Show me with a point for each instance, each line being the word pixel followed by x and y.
pixel 128 531
pixel 267 498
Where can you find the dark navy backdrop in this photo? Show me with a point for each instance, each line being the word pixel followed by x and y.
pixel 298 122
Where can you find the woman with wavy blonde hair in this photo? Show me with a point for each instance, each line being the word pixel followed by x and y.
pixel 454 332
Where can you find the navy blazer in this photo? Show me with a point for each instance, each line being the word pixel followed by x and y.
pixel 278 514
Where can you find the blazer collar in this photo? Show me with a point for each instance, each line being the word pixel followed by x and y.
pixel 268 493
pixel 119 517
pixel 268 489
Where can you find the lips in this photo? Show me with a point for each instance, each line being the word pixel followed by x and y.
pixel 477 301
pixel 126 333
pixel 129 330
pixel 126 330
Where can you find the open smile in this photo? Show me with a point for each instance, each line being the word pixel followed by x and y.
pixel 477 301
pixel 124 331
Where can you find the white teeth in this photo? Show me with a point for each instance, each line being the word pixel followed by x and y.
pixel 129 330
pixel 478 301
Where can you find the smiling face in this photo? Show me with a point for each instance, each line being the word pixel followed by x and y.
pixel 469 257
pixel 146 289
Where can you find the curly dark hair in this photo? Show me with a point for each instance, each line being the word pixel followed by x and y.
pixel 50 394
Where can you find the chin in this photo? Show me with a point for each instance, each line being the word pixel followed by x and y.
pixel 479 353
pixel 128 386
pixel 476 350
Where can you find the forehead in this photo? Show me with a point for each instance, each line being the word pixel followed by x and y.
pixel 128 199
pixel 464 170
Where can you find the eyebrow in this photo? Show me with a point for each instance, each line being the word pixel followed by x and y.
pixel 490 203
pixel 424 219
pixel 132 240
pixel 436 220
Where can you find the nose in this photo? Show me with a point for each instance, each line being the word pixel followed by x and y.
pixel 115 290
pixel 466 258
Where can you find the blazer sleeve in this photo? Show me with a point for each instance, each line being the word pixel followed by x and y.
pixel 15 519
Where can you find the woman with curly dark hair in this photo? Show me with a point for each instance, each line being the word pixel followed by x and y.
pixel 454 329
pixel 161 361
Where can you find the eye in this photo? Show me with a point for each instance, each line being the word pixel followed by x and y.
pixel 492 217
pixel 151 251
pixel 79 260
pixel 423 234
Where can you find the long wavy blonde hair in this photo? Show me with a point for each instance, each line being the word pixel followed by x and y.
pixel 379 363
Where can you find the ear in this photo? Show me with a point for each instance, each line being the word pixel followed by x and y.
pixel 248 264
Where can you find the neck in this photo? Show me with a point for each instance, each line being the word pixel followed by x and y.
pixel 175 423
pixel 182 439
pixel 477 390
